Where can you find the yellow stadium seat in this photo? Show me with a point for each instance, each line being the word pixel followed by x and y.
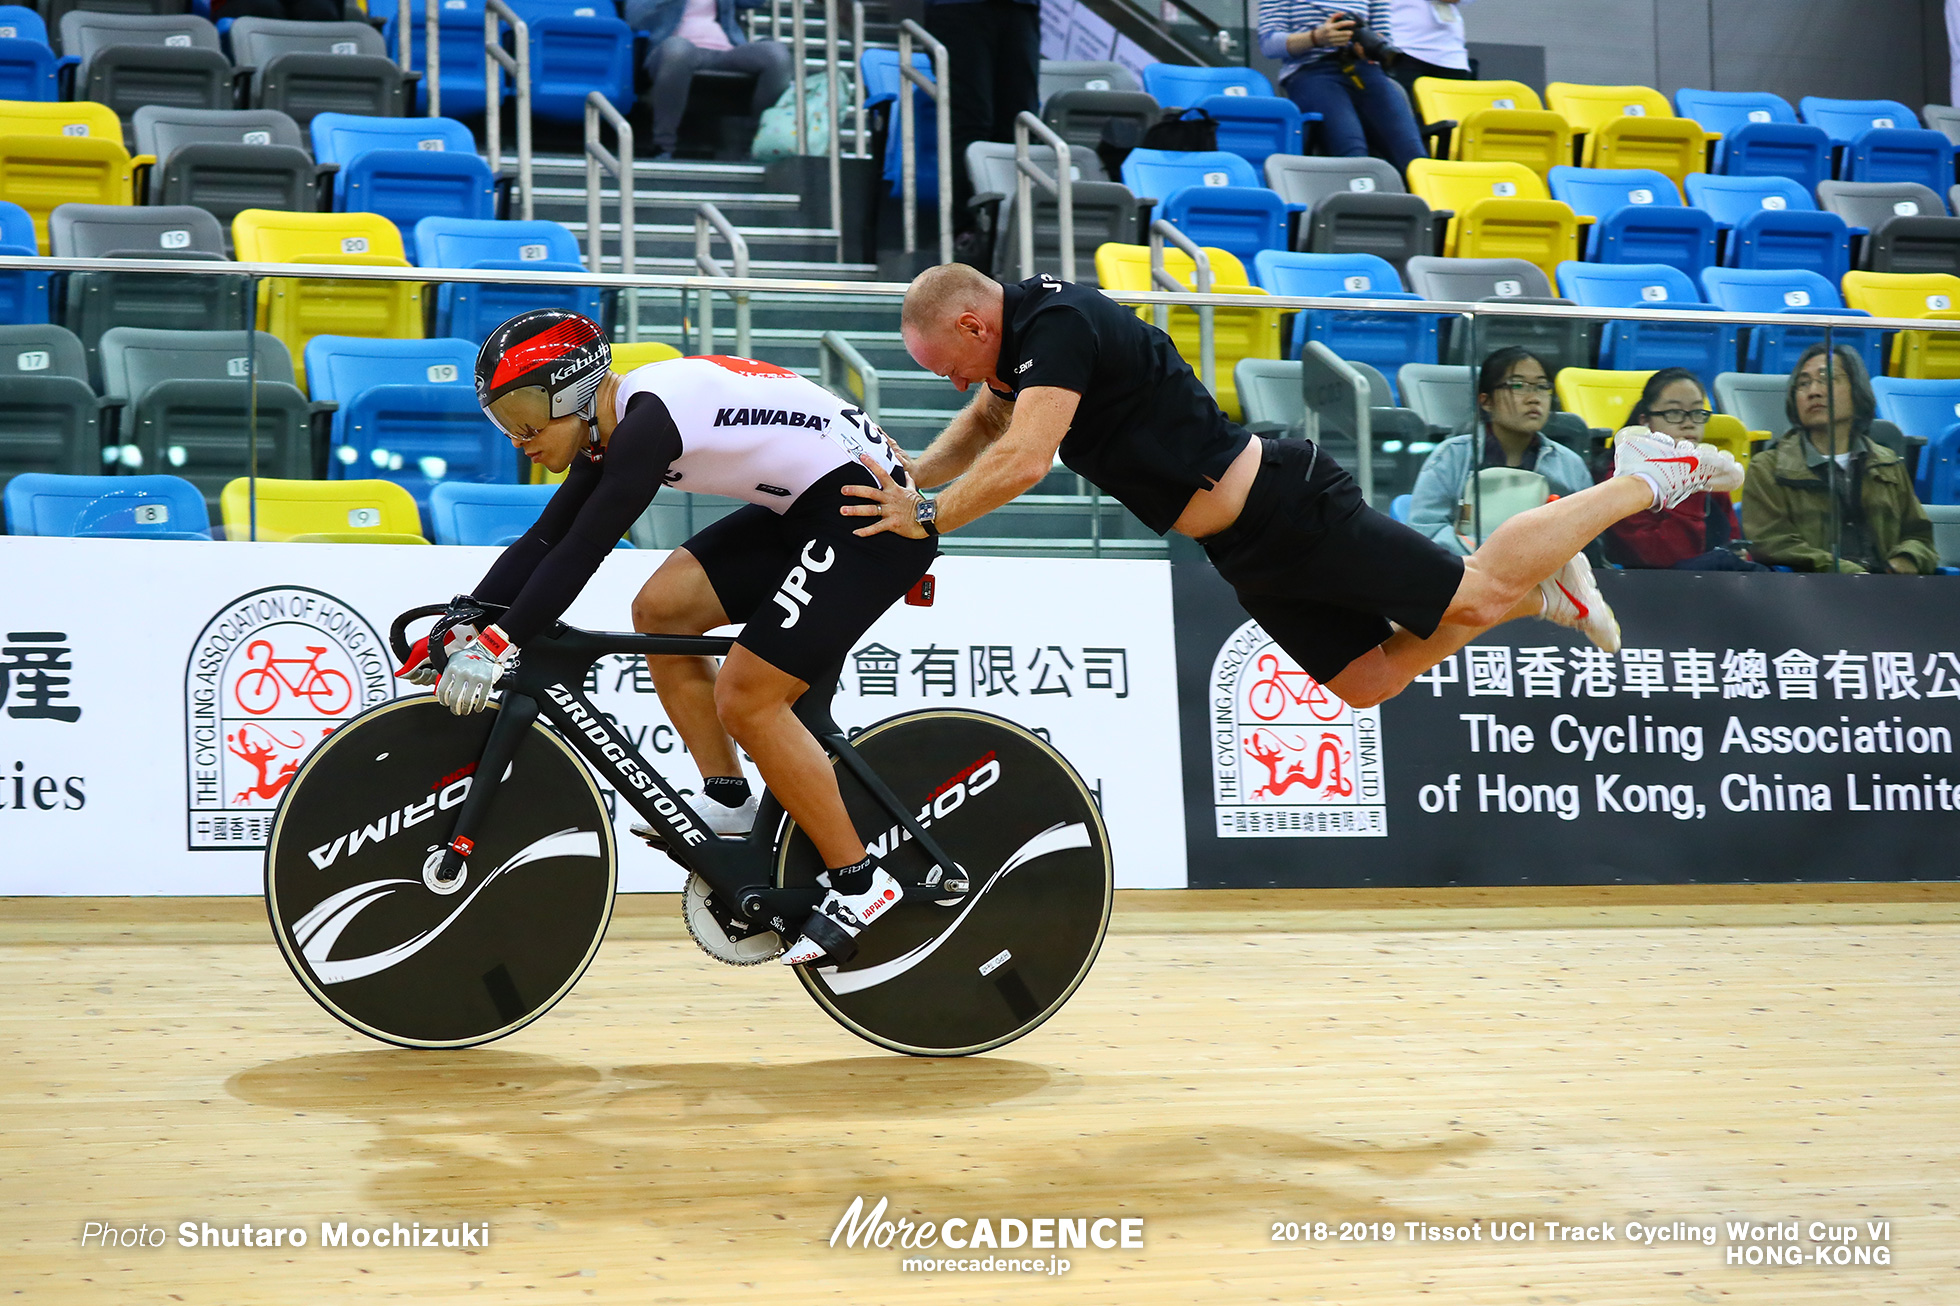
pixel 1502 209
pixel 1127 267
pixel 1912 294
pixel 627 357
pixel 62 153
pixel 297 309
pixel 1631 127
pixel 1444 98
pixel 1725 432
pixel 371 512
pixel 1601 398
pixel 1496 122
pixel 1588 108
pixel 1236 332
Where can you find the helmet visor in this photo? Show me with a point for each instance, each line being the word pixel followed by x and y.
pixel 520 412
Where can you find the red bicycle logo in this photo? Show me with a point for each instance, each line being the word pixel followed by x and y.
pixel 264 685
pixel 1269 698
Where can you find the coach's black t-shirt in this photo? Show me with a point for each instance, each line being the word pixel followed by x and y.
pixel 1147 430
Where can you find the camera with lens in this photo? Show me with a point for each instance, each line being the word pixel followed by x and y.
pixel 1373 44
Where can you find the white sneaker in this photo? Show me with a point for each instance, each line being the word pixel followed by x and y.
pixel 1572 598
pixel 1673 469
pixel 830 934
pixel 718 817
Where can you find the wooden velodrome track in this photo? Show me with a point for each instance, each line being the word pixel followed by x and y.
pixel 679 1131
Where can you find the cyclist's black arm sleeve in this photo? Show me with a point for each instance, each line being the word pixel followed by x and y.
pixel 643 446
pixel 514 566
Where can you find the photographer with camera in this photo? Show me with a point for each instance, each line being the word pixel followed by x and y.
pixel 1331 64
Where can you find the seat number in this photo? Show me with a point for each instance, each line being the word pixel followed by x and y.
pixel 258 138
pixel 1882 122
pixel 1217 179
pixel 345 47
pixel 441 373
pixel 353 245
pixel 1653 294
pixel 1775 202
pixel 1505 103
pixel 177 42
pixel 1235 90
pixel 10 33
pixel 174 239
pixel 1097 84
pixel 1640 195
pixel 152 514
pixel 1796 299
pixel 238 367
pixel 1938 302
pixel 363 518
pixel 1759 115
pixel 1356 283
pixel 1504 189
pixel 74 129
pixel 1634 110
pixel 1509 289
pixel 34 360
pixel 455 4
pixel 1361 184
pixel 532 253
pixel 429 145
pixel 1906 208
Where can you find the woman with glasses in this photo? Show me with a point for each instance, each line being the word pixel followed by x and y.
pixel 1514 401
pixel 1695 534
pixel 1876 523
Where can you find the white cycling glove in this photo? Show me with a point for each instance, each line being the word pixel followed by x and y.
pixel 474 670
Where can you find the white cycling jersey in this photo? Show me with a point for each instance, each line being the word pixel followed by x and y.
pixel 753 430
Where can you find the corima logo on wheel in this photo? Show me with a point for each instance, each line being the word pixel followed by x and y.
pixel 271 674
pixel 448 792
pixel 970 780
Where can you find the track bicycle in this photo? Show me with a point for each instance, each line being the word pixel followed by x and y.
pixel 437 881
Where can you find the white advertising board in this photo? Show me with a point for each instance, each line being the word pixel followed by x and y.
pixel 155 698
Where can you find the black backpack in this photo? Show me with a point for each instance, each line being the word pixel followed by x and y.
pixel 1178 129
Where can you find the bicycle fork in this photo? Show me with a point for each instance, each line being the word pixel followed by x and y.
pixel 517 713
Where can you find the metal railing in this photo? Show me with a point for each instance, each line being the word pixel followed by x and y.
pixel 1027 175
pixel 431 53
pixel 496 58
pixel 858 138
pixel 707 220
pixel 1161 231
pixel 620 166
pixel 799 60
pixel 935 87
pixel 833 346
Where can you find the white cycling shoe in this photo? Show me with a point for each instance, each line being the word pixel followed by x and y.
pixel 1674 468
pixel 720 818
pixel 1572 599
pixel 830 935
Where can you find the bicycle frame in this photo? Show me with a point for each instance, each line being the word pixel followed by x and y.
pixel 550 678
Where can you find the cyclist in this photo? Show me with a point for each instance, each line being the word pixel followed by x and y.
pixel 1362 602
pixel 787 564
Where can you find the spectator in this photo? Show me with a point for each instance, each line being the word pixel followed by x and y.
pixel 688 36
pixel 1514 400
pixel 1323 71
pixel 1787 501
pixel 993 56
pixel 1429 33
pixel 1694 534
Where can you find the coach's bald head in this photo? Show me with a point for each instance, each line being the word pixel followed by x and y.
pixel 952 324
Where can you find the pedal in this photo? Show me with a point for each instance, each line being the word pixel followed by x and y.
pixel 949 890
pixel 720 933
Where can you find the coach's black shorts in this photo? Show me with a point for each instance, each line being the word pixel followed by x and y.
pixel 1322 571
pixel 807 586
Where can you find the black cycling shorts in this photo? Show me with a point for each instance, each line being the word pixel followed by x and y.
pixel 806 586
pixel 1320 570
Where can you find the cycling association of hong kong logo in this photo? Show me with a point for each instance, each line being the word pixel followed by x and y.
pixel 270 676
pixel 1289 759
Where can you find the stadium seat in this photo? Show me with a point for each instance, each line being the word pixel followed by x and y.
pixel 420 436
pixel 1559 341
pixel 1631 127
pixel 1058 75
pixel 1638 217
pixel 1798 151
pixel 96 301
pixel 1353 206
pixel 1237 332
pixel 474 311
pixel 1493 122
pixel 1866 204
pixel 1785 290
pixel 1466 279
pixel 1242 219
pixel 1255 127
pixel 1503 210
pixel 462 513
pixel 574 54
pixel 1897 154
pixel 340 367
pixel 1728 112
pixel 67 152
pixel 27 69
pixel 225 161
pixel 1913 245
pixel 1103 211
pixel 1079 118
pixel 22 23
pixel 1601 397
pixel 1271 395
pixel 302 68
pixel 1730 200
pixel 1756 400
pixel 460 31
pixel 1846 120
pixel 322 512
pixel 50 418
pixel 130 60
pixel 1307 180
pixel 1184 86
pixel 187 397
pixel 1443 394
pixel 1647 346
pixel 626 357
pixel 1927 295
pixel 1943 118
pixel 405 169
pixel 106 507
pixel 23 292
pixel 1930 410
pixel 297 309
pixel 1384 339
pixel 1157 174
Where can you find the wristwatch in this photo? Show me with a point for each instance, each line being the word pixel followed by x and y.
pixel 923 512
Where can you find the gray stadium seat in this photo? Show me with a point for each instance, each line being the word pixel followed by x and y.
pixel 308 68
pixel 50 419
pixel 1393 227
pixel 1078 117
pixel 1913 245
pixel 1103 211
pixel 53 11
pixel 130 60
pixel 96 301
pixel 1465 279
pixel 225 161
pixel 1270 393
pixel 1754 399
pixel 186 399
pixel 1337 413
pixel 1943 118
pixel 1868 203
pixel 1300 179
pixel 1444 394
pixel 1058 75
pixel 1561 342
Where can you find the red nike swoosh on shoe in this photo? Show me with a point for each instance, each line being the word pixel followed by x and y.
pixel 1584 611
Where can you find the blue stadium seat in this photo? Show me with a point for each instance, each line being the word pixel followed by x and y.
pixel 1729 111
pixel 485 514
pixel 1242 220
pixel 1930 409
pixel 405 169
pixel 1795 150
pixel 1729 200
pixel 1255 126
pixel 106 507
pixel 1155 174
pixel 1642 346
pixel 881 84
pixel 460 30
pixel 1184 86
pixel 1639 217
pixel 576 48
pixel 1846 120
pixel 1386 340
pixel 27 70
pixel 1793 291
pixel 22 23
pixel 474 311
pixel 465 242
pixel 1900 154
pixel 340 367
pixel 23 293
pixel 1772 222
pixel 420 436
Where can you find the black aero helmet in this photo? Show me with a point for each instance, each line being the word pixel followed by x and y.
pixel 539 366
